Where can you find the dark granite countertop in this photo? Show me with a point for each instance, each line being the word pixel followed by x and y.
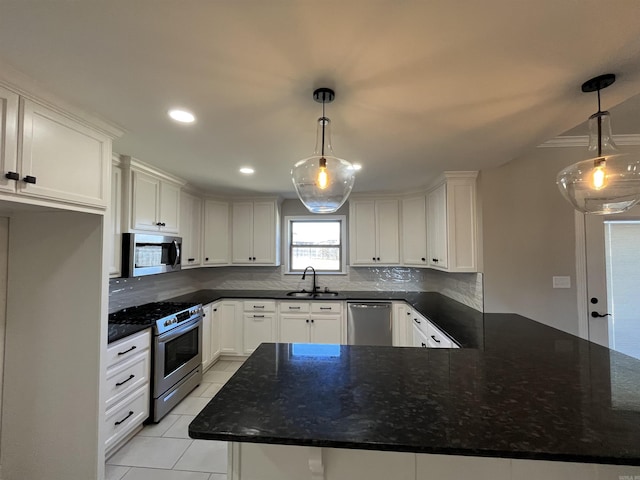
pixel 117 332
pixel 461 323
pixel 531 392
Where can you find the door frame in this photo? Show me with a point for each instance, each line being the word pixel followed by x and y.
pixel 581 275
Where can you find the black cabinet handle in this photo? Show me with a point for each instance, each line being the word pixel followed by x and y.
pixel 215 309
pixel 598 315
pixel 130 413
pixel 424 345
pixel 434 260
pixel 312 320
pixel 191 259
pixel 258 306
pixel 307 320
pixel 254 259
pixel 161 224
pixel 206 259
pixel 373 258
pixel 378 259
pixel 29 179
pixel 12 176
pixel 325 308
pixel 408 313
pixel 119 384
pixel 294 308
pixel 416 320
pixel 423 259
pixel 127 351
pixel 258 316
pixel 435 339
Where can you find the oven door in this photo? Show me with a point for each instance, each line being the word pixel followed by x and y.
pixel 177 353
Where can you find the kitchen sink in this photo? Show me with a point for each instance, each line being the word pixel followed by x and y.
pixel 311 295
pixel 300 294
pixel 325 294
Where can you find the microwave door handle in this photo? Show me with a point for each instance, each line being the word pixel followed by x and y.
pixel 176 248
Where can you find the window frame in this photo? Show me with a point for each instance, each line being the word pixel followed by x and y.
pixel 289 220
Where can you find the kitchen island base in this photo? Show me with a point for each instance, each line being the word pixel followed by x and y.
pixel 254 461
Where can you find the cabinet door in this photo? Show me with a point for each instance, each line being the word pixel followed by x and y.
pixel 387 232
pixel 362 241
pixel 437 227
pixel 8 138
pixel 264 233
pixel 215 330
pixel 216 233
pixel 294 328
pixel 414 231
pixel 50 140
pixel 419 338
pixel 326 329
pixel 242 233
pixel 401 329
pixel 145 203
pixel 206 336
pixel 230 328
pixel 115 217
pixel 169 210
pixel 190 228
pixel 258 328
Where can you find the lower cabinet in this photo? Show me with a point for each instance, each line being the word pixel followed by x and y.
pixel 316 322
pixel 259 323
pixel 127 388
pixel 230 327
pixel 210 334
pixel 425 334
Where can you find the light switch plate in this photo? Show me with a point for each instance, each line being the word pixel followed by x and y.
pixel 561 282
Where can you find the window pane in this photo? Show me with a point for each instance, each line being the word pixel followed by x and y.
pixel 315 233
pixel 320 258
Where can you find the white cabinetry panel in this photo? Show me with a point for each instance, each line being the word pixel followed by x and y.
pixel 8 138
pixel 414 231
pixel 374 232
pixel 216 233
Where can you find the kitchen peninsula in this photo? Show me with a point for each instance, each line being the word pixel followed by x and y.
pixel 529 401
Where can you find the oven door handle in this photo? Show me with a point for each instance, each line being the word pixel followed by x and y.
pixel 181 330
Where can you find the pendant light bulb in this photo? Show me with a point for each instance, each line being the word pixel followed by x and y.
pixel 323 181
pixel 609 181
pixel 323 176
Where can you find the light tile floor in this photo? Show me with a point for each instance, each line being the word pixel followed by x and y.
pixel 164 451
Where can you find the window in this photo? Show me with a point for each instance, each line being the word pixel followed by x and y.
pixel 316 242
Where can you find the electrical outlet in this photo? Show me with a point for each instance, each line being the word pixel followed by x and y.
pixel 561 282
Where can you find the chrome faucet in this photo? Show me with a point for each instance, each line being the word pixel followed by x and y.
pixel 304 274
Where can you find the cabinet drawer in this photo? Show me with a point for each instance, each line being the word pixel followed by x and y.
pixel 126 416
pixel 294 307
pixel 420 323
pixel 437 339
pixel 419 338
pixel 126 377
pixel 128 347
pixel 326 307
pixel 259 306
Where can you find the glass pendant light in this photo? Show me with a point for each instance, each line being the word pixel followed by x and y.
pixel 323 181
pixel 609 182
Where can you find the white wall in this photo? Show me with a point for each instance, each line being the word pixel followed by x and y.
pixel 529 236
pixel 4 246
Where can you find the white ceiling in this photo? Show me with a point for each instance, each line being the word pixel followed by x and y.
pixel 421 86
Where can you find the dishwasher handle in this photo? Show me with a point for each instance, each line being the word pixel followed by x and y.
pixel 369 305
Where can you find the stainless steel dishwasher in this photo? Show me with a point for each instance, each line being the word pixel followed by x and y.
pixel 369 323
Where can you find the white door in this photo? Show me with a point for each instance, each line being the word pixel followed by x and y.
pixel 216 233
pixel 294 328
pixel 414 231
pixel 387 232
pixel 242 233
pixel 363 233
pixel 325 329
pixel 437 227
pixel 170 207
pixel 146 198
pixel 264 232
pixel 613 276
pixel 207 317
pixel 258 328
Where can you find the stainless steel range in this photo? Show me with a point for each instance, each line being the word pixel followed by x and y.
pixel 176 350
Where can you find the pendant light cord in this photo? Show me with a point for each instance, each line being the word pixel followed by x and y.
pixel 599 126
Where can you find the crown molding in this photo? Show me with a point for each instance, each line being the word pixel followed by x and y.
pixel 583 141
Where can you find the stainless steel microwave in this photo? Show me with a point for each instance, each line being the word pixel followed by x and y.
pixel 144 254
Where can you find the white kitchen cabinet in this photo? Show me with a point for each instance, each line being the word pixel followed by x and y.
pixel 374 236
pixel 452 225
pixel 231 327
pixel 313 322
pixel 155 203
pixel 255 233
pixel 216 314
pixel 210 334
pixel 419 338
pixel 60 159
pixel 414 231
pixel 216 232
pixel 426 334
pixel 9 102
pixel 191 229
pixel 127 388
pixel 115 219
pixel 259 321
pixel 402 335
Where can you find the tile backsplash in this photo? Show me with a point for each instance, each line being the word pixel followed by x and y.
pixel 465 288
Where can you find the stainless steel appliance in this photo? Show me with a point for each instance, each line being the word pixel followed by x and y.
pixel 144 254
pixel 176 350
pixel 369 323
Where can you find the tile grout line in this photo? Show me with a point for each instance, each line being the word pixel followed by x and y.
pixel 182 455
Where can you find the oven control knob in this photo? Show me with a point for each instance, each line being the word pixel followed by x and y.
pixel 167 323
pixel 175 320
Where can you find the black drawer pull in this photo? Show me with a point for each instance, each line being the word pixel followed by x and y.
pixel 416 320
pixel 12 176
pixel 121 421
pixel 294 308
pixel 258 316
pixel 29 179
pixel 325 308
pixel 434 260
pixel 435 339
pixel 191 259
pixel 307 320
pixel 258 306
pixel 312 320
pixel 127 351
pixel 424 345
pixel 423 259
pixel 119 384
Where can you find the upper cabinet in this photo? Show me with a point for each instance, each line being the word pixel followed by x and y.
pixel 191 229
pixel 451 223
pixel 154 199
pixel 414 231
pixel 255 233
pixel 374 236
pixel 115 216
pixel 49 157
pixel 216 232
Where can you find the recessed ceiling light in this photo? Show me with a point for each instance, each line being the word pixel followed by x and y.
pixel 247 170
pixel 357 166
pixel 182 116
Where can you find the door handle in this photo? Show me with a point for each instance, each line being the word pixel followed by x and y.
pixel 600 315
